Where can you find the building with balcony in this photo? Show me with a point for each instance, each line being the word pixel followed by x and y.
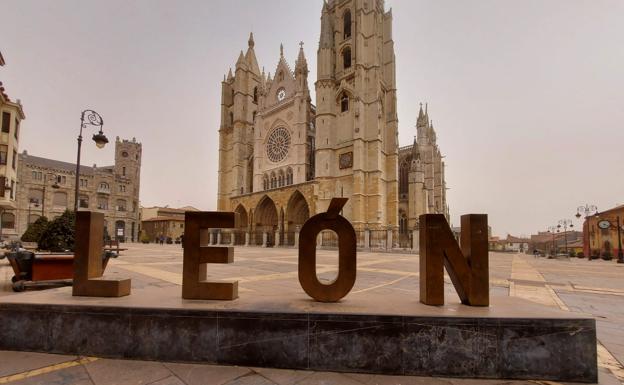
pixel 11 115
pixel 46 187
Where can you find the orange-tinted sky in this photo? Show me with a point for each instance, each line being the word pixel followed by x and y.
pixel 527 96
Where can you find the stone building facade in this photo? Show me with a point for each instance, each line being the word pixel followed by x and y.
pixel 422 185
pixel 11 115
pixel 604 241
pixel 47 188
pixel 163 221
pixel 282 158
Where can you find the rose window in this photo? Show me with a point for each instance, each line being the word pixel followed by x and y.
pixel 278 144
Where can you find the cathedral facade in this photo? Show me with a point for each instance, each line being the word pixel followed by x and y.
pixel 283 158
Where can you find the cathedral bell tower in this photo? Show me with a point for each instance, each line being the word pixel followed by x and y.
pixel 239 102
pixel 356 142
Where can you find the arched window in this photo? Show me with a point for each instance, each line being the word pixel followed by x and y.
pixel 253 117
pixel 8 221
pixel 402 223
pixel 346 58
pixel 344 102
pixel 273 180
pixel 346 22
pixel 83 201
pixel 255 94
pixel 104 186
pixel 231 118
pixel 289 176
pixel 281 178
pixel 266 182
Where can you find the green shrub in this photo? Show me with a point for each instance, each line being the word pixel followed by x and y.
pixel 34 230
pixel 59 234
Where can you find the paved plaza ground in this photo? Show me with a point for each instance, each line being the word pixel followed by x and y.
pixel 588 288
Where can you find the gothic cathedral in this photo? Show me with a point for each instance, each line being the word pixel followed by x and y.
pixel 282 158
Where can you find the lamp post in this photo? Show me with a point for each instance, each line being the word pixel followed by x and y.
pixel 565 224
pixel 552 230
pixel 30 204
pixel 607 224
pixel 586 211
pixel 92 119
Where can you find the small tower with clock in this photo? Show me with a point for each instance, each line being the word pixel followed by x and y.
pixel 128 159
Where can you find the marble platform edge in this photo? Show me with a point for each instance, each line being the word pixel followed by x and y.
pixel 555 349
pixel 545 314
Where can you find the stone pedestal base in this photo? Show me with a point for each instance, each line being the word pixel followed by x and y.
pixel 557 349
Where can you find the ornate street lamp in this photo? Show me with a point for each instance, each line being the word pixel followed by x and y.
pixel 552 230
pixel 55 186
pixel 565 224
pixel 586 211
pixel 92 119
pixel 31 203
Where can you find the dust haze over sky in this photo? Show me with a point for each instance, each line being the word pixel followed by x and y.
pixel 527 96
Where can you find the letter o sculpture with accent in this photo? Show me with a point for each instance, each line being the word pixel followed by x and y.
pixel 330 220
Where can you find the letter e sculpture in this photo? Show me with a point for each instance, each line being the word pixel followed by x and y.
pixel 196 256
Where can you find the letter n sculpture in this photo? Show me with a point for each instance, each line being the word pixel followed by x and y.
pixel 196 257
pixel 466 265
pixel 88 260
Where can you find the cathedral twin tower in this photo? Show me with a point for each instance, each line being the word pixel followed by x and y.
pixel 282 158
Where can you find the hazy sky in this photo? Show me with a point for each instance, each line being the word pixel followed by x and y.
pixel 527 96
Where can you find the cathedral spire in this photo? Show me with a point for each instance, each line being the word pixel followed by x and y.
pixel 301 67
pixel 422 117
pixel 251 42
pixel 250 56
pixel 230 76
pixel 262 81
pixel 240 63
pixel 415 150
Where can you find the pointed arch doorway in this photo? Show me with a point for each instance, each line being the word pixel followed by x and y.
pixel 266 221
pixel 241 225
pixel 297 213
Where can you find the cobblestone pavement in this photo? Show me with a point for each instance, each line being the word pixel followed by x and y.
pixel 576 285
